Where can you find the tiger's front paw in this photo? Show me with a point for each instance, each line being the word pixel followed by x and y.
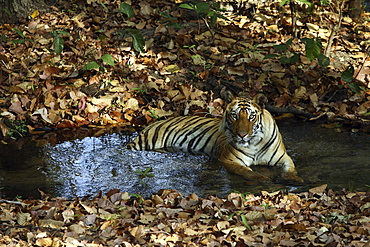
pixel 293 177
pixel 254 176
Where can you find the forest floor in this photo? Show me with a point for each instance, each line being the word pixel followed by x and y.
pixel 97 64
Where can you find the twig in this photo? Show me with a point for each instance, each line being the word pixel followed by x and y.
pixel 335 29
pixel 13 202
pixel 363 62
pixel 294 18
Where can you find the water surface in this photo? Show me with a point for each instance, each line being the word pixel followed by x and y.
pixel 88 165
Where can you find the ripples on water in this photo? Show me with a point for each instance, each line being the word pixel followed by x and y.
pixel 84 167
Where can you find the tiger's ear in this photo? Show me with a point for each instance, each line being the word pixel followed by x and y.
pixel 228 96
pixel 261 100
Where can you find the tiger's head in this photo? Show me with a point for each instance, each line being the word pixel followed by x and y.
pixel 242 120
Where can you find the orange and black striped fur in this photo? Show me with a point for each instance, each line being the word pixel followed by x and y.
pixel 246 135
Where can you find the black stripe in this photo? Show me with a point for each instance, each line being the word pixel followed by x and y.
pixel 206 142
pixel 195 142
pixel 240 151
pixel 139 143
pixel 237 156
pixel 189 128
pixel 275 151
pixel 171 128
pixel 264 149
pixel 277 162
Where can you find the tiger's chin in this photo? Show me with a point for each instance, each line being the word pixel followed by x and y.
pixel 242 143
pixel 247 141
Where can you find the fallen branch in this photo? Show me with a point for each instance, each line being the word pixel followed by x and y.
pixel 289 109
pixel 12 202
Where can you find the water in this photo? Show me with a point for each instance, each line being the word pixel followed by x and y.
pixel 88 165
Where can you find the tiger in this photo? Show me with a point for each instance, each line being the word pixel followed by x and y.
pixel 246 135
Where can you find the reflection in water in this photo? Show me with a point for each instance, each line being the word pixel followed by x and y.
pixel 20 169
pixel 84 167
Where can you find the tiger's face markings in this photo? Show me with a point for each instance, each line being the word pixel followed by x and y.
pixel 243 121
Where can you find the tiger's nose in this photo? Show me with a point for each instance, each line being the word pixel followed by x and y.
pixel 242 135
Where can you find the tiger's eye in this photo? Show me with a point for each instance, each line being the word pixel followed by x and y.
pixel 234 116
pixel 252 116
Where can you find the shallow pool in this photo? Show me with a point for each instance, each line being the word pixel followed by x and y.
pixel 85 166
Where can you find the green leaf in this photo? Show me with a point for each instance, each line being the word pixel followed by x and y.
pixel 213 18
pixel 127 9
pixel 324 61
pixel 305 2
pixel 211 13
pixel 18 32
pixel 285 60
pixel 231 216
pixel 280 47
pixel 63 32
pixel 149 169
pixel 174 25
pixel 202 7
pixel 245 222
pixel 108 59
pixel 294 59
pixel 268 56
pixel 138 40
pixel 222 17
pixel 167 16
pixel 313 48
pixel 347 75
pixel 105 7
pixel 58 44
pixel 187 6
pixel 18 41
pixel 355 87
pixel 284 2
pixel 288 42
pixel 290 60
pixel 91 66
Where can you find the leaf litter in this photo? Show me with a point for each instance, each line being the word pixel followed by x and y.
pixel 79 65
pixel 318 217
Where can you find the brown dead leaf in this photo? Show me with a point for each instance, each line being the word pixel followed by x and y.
pixel 51 223
pixel 300 92
pixel 318 189
pixel 43 112
pixel 16 107
pixel 167 55
pixel 44 242
pixel 236 70
pixel 77 229
pixel 65 123
pixel 314 99
pixel 172 68
pixel 23 218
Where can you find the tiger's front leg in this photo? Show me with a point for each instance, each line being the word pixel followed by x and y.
pixel 289 171
pixel 244 171
pixel 241 169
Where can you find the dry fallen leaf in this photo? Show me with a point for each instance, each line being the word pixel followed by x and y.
pixel 43 112
pixel 319 189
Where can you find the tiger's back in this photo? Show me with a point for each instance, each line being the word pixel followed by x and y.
pixel 194 135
